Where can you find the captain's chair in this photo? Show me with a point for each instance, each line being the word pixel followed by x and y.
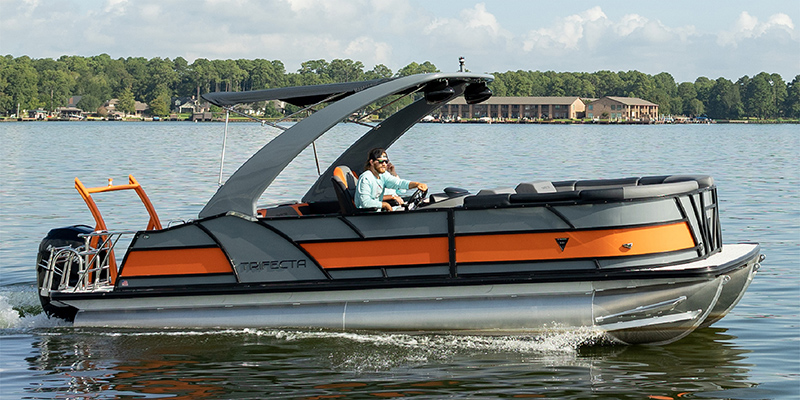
pixel 344 184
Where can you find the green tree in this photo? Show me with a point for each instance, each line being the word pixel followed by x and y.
pixel 345 70
pixel 56 83
pixel 378 72
pixel 264 74
pixel 414 68
pixel 724 100
pixel 159 106
pixel 229 75
pixel 760 96
pixel 21 85
pixel 637 84
pixel 703 86
pixel 203 74
pixel 5 99
pixel 162 78
pixel 779 90
pixel 792 102
pixel 314 72
pixel 608 84
pixel 184 85
pixel 688 95
pixel 665 89
pixel 694 108
pixel 555 85
pixel 89 103
pixel 127 103
pixel 517 84
pixel 137 69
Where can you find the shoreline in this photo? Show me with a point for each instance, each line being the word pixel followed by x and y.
pixel 503 122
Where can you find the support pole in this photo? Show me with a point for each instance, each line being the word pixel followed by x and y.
pixel 224 141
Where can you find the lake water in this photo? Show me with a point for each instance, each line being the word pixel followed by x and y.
pixel 754 353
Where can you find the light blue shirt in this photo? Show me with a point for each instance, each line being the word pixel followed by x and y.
pixel 369 189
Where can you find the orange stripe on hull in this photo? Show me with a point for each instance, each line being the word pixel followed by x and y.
pixel 176 262
pixel 379 253
pixel 580 244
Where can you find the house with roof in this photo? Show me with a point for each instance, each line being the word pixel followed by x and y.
pixel 622 108
pixel 141 108
pixel 505 107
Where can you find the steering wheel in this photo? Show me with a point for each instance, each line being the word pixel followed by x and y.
pixel 415 200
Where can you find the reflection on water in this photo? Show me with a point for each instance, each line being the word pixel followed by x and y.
pixel 316 365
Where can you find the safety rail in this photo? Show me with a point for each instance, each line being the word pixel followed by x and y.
pixel 100 224
pixel 83 268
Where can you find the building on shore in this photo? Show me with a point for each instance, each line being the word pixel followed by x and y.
pixel 622 108
pixel 502 107
pixel 552 107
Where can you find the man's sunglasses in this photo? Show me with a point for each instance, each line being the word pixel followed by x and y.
pixel 382 160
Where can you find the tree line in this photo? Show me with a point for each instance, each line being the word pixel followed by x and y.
pixel 45 83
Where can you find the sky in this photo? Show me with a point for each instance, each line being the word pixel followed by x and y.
pixel 687 39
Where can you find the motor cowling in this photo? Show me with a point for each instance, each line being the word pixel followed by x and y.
pixel 58 237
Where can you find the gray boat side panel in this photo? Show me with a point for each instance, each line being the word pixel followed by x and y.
pixel 305 229
pixel 260 255
pixel 418 271
pixel 173 281
pixel 647 259
pixel 399 223
pixel 569 265
pixel 506 220
pixel 361 273
pixel 242 190
pixel 620 214
pixel 184 236
pixel 383 136
pixel 512 313
pixel 691 215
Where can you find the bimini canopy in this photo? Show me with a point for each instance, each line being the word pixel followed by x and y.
pixel 300 96
pixel 243 189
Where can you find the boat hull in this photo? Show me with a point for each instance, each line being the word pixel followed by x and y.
pixel 656 311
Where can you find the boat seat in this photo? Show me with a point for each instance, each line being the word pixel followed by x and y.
pixel 486 192
pixel 346 175
pixel 344 184
pixel 344 196
pixel 535 187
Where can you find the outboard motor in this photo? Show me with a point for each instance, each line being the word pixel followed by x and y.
pixel 59 237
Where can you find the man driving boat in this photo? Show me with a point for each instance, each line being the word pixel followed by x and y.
pixel 372 183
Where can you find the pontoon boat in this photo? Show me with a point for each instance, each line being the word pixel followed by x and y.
pixel 638 258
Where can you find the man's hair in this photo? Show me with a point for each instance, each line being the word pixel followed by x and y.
pixel 373 154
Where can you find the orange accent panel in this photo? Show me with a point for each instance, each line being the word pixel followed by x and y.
pixel 338 172
pixel 176 262
pixel 380 253
pixel 581 244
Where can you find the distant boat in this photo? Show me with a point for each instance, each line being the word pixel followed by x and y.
pixel 639 258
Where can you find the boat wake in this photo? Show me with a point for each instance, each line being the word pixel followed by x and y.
pixel 20 309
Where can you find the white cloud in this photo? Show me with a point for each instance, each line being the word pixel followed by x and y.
pixel 115 6
pixel 629 24
pixel 475 27
pixel 568 32
pixel 749 27
pixel 369 51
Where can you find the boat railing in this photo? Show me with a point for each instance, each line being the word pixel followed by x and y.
pixel 85 268
pixel 100 224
